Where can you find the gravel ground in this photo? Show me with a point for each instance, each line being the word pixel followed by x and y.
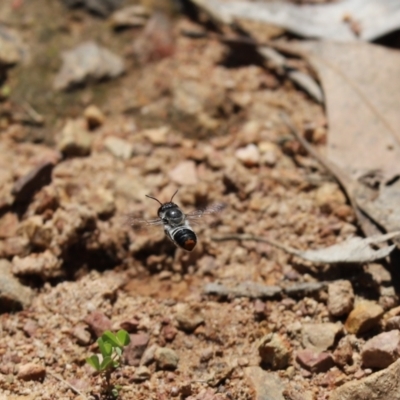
pixel 187 114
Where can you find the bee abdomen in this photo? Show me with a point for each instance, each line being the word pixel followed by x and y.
pixel 185 238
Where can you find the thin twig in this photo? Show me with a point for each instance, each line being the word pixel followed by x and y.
pixel 72 387
pixel 32 113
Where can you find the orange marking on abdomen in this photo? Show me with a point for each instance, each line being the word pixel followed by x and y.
pixel 189 244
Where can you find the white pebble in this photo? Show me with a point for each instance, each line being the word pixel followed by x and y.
pixel 248 155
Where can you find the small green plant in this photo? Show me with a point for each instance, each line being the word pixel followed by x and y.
pixel 111 346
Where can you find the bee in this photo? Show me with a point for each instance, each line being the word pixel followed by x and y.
pixel 177 224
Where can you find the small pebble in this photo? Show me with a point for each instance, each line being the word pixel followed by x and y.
pixel 130 325
pixel 343 354
pixel 157 136
pixel 45 265
pixel 348 229
pixel 8 225
pixel 37 232
pixel 394 312
pixel 94 116
pixel 75 139
pixel 135 349
pixel 344 212
pixel 382 350
pixel 13 295
pixel 249 155
pixel 98 322
pixel 141 374
pixel 333 377
pixel 118 147
pixel 320 337
pixel 393 323
pixel 259 308
pixel 186 389
pixel 101 201
pixel 365 316
pixel 184 173
pixel 81 334
pixel 380 275
pixel 30 327
pixel 166 358
pixel 188 318
pixel 340 298
pixel 314 361
pixel 275 351
pixel 206 354
pixel 264 384
pixel 270 153
pixel 250 132
pixel 87 62
pixel 31 372
pixel 329 196
pixel 169 332
pixel 148 355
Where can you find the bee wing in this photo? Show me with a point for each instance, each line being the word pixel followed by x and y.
pixel 141 224
pixel 201 212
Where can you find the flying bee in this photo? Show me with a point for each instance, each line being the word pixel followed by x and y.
pixel 177 224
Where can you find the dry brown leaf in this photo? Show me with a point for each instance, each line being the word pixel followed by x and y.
pixel 352 250
pixel 385 208
pixel 346 20
pixel 362 93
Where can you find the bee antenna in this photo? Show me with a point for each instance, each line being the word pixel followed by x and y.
pixel 174 195
pixel 150 197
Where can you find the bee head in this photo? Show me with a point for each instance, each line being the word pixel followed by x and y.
pixel 169 211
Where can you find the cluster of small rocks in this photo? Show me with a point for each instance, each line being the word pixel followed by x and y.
pixel 324 350
pixel 59 213
pixel 335 350
pixel 156 345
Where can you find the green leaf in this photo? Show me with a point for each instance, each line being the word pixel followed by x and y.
pixel 105 347
pixel 94 362
pixel 123 337
pixel 109 337
pixel 106 363
pixel 114 392
pixel 5 91
pixel 118 350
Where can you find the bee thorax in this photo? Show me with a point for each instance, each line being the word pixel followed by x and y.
pixel 172 214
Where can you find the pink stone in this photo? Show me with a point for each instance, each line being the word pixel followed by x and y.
pixel 314 361
pixel 382 350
